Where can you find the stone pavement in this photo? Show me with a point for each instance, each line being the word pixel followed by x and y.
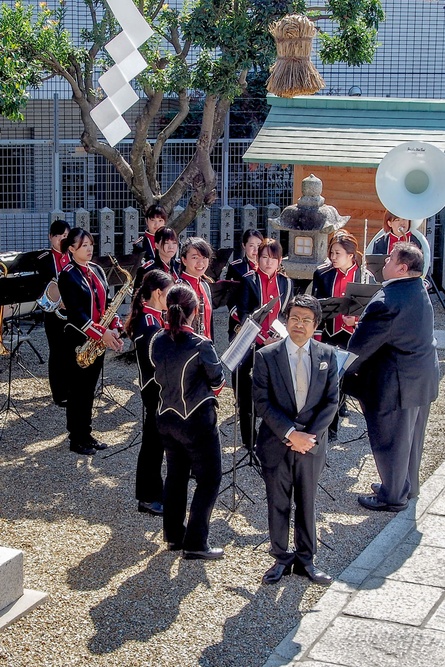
pixel 387 609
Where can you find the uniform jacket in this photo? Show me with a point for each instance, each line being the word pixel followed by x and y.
pixel 382 244
pixel 146 327
pixel 188 371
pixel 157 263
pixel 274 397
pixel 78 297
pixel 250 294
pixel 397 366
pixel 323 287
pixel 235 271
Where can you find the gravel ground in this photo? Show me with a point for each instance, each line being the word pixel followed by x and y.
pixel 116 596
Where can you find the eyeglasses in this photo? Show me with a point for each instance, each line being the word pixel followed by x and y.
pixel 298 320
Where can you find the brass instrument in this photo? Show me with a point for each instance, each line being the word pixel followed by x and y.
pixel 51 301
pixel 91 349
pixel 3 350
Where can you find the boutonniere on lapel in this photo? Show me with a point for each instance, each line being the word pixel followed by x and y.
pixel 323 366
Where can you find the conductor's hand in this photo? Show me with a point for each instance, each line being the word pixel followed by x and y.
pixel 301 442
pixel 112 340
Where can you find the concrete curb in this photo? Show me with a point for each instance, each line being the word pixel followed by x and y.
pixel 294 648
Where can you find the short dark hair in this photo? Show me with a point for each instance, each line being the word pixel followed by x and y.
pixel 411 255
pixel 252 232
pixel 273 247
pixel 199 244
pixel 164 234
pixel 181 302
pixel 154 210
pixel 58 227
pixel 306 301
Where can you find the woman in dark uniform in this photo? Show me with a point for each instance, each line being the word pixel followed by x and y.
pixel 166 244
pixel 257 289
pixel 84 291
pixel 252 240
pixel 190 376
pixel 195 258
pixel 145 319
pixel 330 279
pixel 49 264
pixel 396 229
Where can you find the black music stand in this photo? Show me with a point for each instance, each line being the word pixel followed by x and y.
pixel 15 290
pixel 359 295
pixel 375 264
pixel 233 360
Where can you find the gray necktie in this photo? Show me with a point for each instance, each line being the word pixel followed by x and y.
pixel 302 379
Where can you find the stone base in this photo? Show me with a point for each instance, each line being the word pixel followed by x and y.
pixel 20 607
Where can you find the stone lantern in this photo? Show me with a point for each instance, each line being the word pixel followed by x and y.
pixel 308 222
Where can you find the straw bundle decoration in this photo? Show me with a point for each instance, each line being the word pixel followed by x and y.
pixel 293 73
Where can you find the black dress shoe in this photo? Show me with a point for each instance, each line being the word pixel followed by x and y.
pixel 332 435
pixel 274 573
pixel 212 553
pixel 61 404
pixel 313 573
pixel 174 546
pixel 343 411
pixel 371 503
pixel 87 450
pixel 97 445
pixel 154 508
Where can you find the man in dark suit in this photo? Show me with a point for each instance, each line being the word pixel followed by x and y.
pixel 396 376
pixel 295 389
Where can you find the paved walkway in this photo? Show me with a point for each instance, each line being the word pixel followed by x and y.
pixel 387 609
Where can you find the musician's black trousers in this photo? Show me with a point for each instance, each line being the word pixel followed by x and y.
pixel 57 366
pixel 81 387
pixel 191 445
pixel 149 485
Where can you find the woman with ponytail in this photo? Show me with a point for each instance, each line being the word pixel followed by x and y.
pixel 190 376
pixel 145 319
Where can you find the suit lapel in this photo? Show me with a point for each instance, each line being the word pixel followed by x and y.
pixel 284 369
pixel 315 352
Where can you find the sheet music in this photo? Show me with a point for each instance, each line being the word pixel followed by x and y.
pixel 239 347
pixel 344 360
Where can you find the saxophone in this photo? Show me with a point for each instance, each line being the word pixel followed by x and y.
pixel 91 349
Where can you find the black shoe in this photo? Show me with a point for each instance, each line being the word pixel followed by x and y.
pixel 154 508
pixel 174 546
pixel 61 404
pixel 97 445
pixel 343 411
pixel 208 554
pixel 371 503
pixel 313 573
pixel 87 450
pixel 332 435
pixel 274 573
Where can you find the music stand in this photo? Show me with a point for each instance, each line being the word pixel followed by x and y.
pixel 15 290
pixel 358 296
pixel 333 306
pixel 232 358
pixel 375 264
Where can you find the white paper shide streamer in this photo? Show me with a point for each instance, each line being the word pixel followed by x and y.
pixel 129 63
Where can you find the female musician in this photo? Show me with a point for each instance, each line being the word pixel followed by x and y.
pixel 143 322
pixel 195 257
pixel 84 290
pixel 155 218
pixel 49 265
pixel 251 241
pixel 330 279
pixel 396 229
pixel 166 244
pixel 257 289
pixel 190 376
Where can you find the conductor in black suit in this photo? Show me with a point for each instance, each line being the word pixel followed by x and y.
pixel 396 376
pixel 295 389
